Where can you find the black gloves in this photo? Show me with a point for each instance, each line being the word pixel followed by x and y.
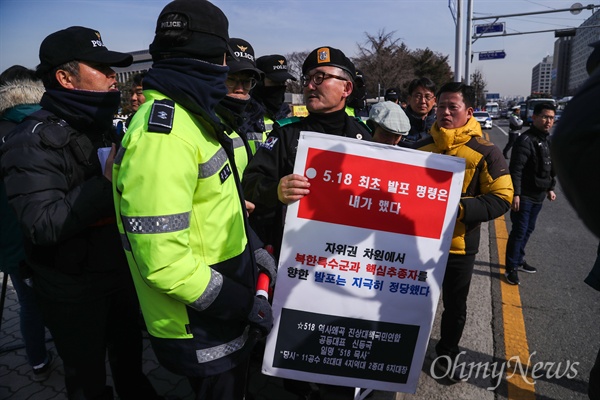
pixel 261 315
pixel 266 264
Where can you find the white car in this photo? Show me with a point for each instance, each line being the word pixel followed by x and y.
pixel 484 119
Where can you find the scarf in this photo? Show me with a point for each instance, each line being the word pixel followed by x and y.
pixel 272 97
pixel 197 86
pixel 83 109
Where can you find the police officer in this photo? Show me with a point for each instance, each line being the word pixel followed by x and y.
pixel 515 123
pixel 238 110
pixel 182 215
pixel 268 180
pixel 271 91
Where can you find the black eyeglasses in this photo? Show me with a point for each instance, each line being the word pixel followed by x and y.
pixel 419 96
pixel 247 84
pixel 318 78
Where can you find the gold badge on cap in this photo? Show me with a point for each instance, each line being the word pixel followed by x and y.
pixel 242 48
pixel 323 55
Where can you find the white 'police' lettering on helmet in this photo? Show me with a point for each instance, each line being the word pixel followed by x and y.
pixel 280 67
pixel 240 54
pixel 172 25
pixel 97 43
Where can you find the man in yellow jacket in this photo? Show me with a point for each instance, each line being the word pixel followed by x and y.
pixel 487 194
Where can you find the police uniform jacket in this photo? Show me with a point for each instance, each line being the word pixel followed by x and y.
pixel 183 224
pixel 531 166
pixel 487 189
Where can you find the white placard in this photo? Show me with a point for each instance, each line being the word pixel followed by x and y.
pixel 362 263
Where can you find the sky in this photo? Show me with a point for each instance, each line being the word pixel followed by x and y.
pixel 285 26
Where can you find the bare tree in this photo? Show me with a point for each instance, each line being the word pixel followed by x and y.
pixel 479 83
pixel 295 61
pixel 384 61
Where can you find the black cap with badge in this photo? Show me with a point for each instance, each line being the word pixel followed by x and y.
pixel 245 58
pixel 77 43
pixel 328 57
pixel 275 68
pixel 204 32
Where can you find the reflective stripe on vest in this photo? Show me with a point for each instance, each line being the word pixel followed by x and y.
pixel 223 350
pixel 162 224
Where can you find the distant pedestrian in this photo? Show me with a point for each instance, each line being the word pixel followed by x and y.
pixel 533 179
pixel 515 123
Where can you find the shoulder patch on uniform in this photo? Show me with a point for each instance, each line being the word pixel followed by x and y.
pixel 286 121
pixel 269 143
pixel 161 116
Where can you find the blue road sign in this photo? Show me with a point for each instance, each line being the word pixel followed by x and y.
pixel 491 55
pixel 489 28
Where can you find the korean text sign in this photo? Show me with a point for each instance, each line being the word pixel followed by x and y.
pixel 362 262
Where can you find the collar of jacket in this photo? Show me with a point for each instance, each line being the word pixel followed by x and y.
pixel 536 132
pixel 448 139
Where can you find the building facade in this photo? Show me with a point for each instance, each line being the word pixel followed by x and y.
pixel 587 33
pixel 561 67
pixel 541 76
pixel 142 61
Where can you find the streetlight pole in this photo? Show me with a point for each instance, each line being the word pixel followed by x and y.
pixel 468 49
pixel 458 54
pixel 574 9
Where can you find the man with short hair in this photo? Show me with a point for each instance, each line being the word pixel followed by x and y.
pixel 63 199
pixel 420 111
pixel 269 181
pixel 137 97
pixel 486 194
pixel 533 179
pixel 181 212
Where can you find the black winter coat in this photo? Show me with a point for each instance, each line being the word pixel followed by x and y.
pixel 531 166
pixel 65 207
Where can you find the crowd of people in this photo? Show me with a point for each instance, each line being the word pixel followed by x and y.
pixel 176 220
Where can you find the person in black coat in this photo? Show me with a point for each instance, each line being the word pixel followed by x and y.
pixel 575 149
pixel 62 196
